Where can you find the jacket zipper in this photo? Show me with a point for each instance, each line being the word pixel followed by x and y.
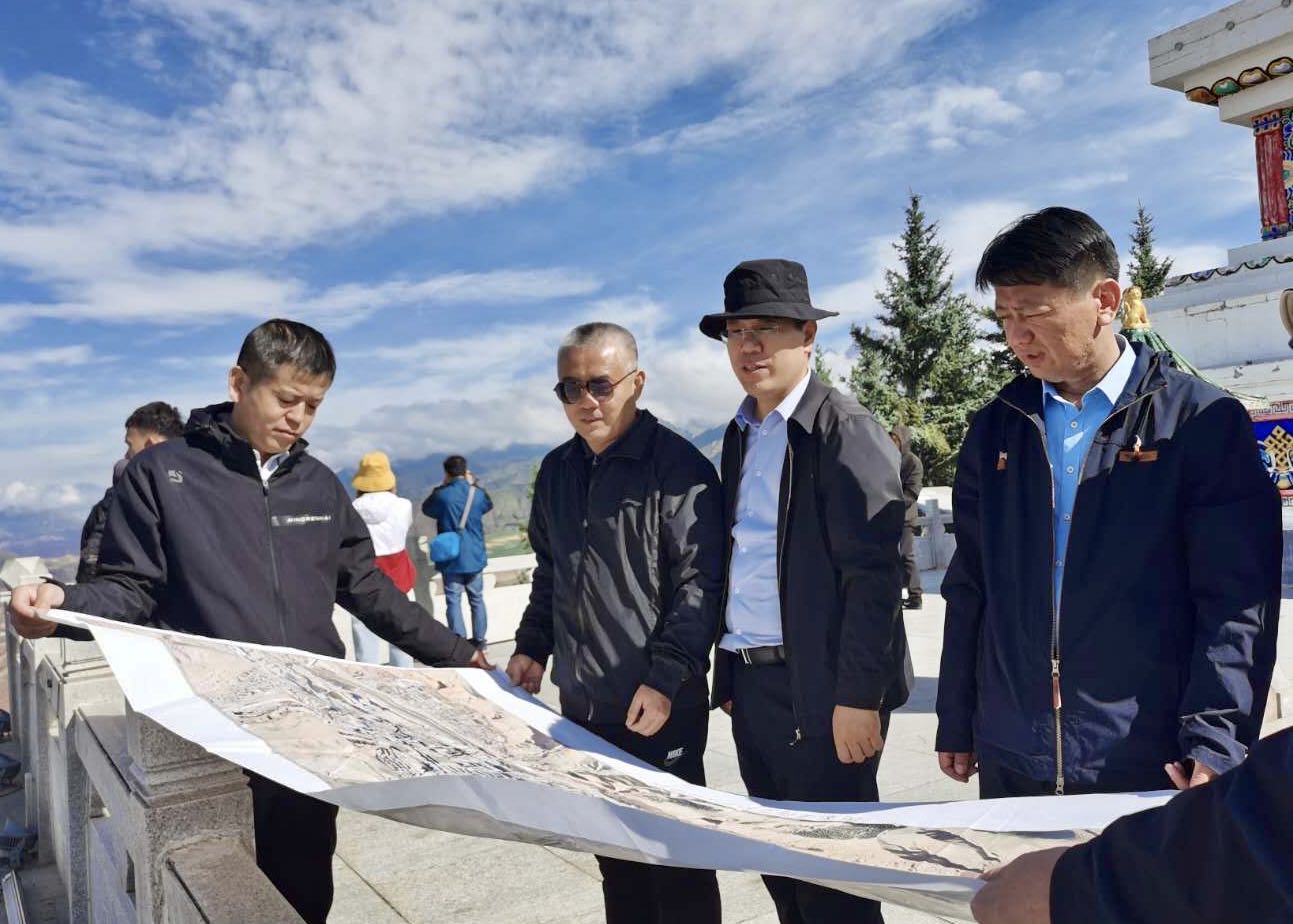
pixel 1057 701
pixel 579 577
pixel 273 566
pixel 781 546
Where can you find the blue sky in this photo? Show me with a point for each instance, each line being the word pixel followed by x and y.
pixel 444 188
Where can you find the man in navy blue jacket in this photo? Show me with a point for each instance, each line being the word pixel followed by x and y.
pixel 1216 853
pixel 1112 601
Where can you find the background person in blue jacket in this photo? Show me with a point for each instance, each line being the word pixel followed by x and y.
pixel 1112 601
pixel 445 506
pixel 1216 853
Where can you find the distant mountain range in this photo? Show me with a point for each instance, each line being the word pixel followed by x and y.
pixel 506 473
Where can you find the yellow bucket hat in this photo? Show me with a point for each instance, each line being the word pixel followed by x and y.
pixel 374 474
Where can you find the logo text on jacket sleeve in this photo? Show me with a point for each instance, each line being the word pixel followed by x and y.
pixel 300 519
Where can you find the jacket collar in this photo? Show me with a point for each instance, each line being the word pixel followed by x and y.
pixel 814 397
pixel 632 445
pixel 804 414
pixel 1025 391
pixel 211 429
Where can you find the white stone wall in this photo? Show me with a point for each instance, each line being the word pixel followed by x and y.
pixel 1232 322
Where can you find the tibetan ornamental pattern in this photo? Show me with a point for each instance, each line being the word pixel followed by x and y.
pixel 1273 135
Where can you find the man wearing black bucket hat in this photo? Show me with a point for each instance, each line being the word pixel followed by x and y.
pixel 812 653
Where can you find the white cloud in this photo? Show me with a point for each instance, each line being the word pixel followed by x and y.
pixel 25 497
pixel 36 360
pixel 1039 83
pixel 493 388
pixel 327 116
pixel 855 299
pixel 958 115
pixel 968 229
pixel 200 297
pixel 1086 182
pixel 1191 257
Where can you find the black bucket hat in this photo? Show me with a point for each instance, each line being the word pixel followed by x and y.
pixel 764 289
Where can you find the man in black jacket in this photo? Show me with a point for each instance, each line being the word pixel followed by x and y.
pixel 812 656
pixel 148 425
pixel 235 532
pixel 913 477
pixel 627 528
pixel 1112 601
pixel 1215 853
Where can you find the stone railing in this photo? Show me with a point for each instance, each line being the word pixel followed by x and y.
pixel 937 540
pixel 142 825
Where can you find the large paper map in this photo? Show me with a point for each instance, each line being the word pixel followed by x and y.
pixel 462 750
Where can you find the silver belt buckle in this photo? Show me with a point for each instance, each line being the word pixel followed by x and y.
pixel 745 656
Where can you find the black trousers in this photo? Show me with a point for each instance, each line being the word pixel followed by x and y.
pixel 996 782
pixel 776 766
pixel 910 573
pixel 646 893
pixel 295 839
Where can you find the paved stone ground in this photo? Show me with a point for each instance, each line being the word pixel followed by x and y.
pixel 389 873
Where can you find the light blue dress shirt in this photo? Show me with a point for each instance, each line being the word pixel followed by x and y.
pixel 1070 432
pixel 753 598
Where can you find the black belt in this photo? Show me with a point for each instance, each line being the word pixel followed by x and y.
pixel 762 657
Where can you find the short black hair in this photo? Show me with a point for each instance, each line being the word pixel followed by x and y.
pixel 1056 246
pixel 278 343
pixel 157 417
pixel 455 466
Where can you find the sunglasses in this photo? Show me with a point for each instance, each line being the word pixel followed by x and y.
pixel 569 391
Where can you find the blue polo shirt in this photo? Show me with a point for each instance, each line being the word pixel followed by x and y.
pixel 1070 430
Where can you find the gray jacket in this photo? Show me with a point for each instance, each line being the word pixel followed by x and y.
pixel 629 548
pixel 912 471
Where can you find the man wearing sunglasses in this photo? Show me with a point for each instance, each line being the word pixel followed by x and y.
pixel 626 525
pixel 812 654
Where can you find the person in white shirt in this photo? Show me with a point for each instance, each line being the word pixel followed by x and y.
pixel 388 517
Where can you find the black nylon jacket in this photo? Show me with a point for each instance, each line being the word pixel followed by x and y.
pixel 1165 631
pixel 92 537
pixel 628 578
pixel 196 543
pixel 839 525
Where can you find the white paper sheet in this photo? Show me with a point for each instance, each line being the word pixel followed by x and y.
pixel 463 750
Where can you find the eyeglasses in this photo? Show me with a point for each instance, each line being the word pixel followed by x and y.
pixel 747 334
pixel 569 391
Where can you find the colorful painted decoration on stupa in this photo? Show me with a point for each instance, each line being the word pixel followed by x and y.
pixel 1273 428
pixel 1249 77
pixel 1273 158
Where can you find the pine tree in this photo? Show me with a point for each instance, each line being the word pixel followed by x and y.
pixel 1004 360
pixel 923 365
pixel 1146 270
pixel 819 366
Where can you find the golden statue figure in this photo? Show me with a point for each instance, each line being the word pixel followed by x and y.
pixel 1134 315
